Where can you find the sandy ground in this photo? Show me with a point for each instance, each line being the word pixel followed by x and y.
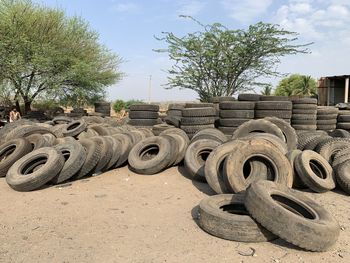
pixel 120 216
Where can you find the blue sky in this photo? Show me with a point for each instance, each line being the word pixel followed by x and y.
pixel 128 27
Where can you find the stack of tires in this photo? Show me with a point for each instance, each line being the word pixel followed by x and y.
pixel 327 118
pixel 343 120
pixel 145 115
pixel 304 114
pixel 104 108
pixel 77 113
pixel 278 109
pixel 234 114
pixel 249 97
pixel 196 119
pixel 174 114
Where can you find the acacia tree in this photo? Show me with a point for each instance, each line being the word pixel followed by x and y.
pixel 267 90
pixel 43 52
pixel 218 61
pixel 297 84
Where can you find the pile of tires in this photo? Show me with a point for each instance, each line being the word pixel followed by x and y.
pixel 144 115
pixel 197 117
pixel 304 114
pixel 327 118
pixel 216 101
pixel 249 97
pixel 343 120
pixel 233 114
pixel 174 114
pixel 78 113
pixel 103 107
pixel 274 108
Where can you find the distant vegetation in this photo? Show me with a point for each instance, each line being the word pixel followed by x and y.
pixel 120 104
pixel 296 84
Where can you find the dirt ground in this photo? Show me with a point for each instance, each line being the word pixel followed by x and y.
pixel 120 216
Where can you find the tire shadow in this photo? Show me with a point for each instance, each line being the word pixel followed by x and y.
pixel 201 186
pixel 195 214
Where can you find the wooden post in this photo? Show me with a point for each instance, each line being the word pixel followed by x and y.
pixel 328 90
pixel 346 94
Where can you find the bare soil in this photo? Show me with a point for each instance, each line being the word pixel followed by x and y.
pixel 120 216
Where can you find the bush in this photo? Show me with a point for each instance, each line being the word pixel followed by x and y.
pixel 120 104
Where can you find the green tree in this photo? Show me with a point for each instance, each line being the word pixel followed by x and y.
pixel 297 84
pixel 218 61
pixel 267 90
pixel 44 52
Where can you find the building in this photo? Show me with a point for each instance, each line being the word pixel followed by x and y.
pixel 333 90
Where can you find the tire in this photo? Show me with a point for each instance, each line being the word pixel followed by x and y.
pixel 340 133
pixel 143 115
pixel 143 122
pixel 37 141
pixel 303 111
pixel 238 114
pixel 177 107
pixel 74 128
pixel 289 133
pixel 315 171
pixel 282 114
pixel 210 133
pixel 106 153
pixel 157 129
pixel 340 157
pixel 115 152
pixel 305 101
pixel 249 97
pixel 343 125
pixel 93 155
pixel 35 169
pixel 301 127
pixel 225 216
pixel 62 120
pixel 11 151
pixel 237 105
pixel 126 145
pixel 199 105
pixel 50 138
pixel 342 175
pixel 65 140
pixel 226 98
pixel 12 125
pixel 308 107
pixel 268 138
pixel 312 144
pixel 198 112
pixel 274 105
pixel 343 118
pixel 87 134
pixel 175 113
pixel 328 148
pixel 187 121
pixel 178 132
pixel 303 140
pixel 304 122
pixel 327 122
pixel 144 107
pixel 139 164
pixel 195 128
pixel 227 130
pixel 172 120
pixel 325 110
pixel 328 117
pixel 270 156
pixel 303 117
pixel 146 131
pixel 297 182
pixel 274 98
pixel 275 206
pixel 326 127
pixel 258 125
pixel 232 122
pixel 75 156
pixel 26 130
pixel 195 157
pixel 178 146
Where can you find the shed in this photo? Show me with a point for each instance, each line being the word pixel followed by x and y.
pixel 333 90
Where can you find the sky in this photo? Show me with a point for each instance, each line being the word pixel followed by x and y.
pixel 128 29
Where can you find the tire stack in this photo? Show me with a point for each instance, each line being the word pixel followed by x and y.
pixel 145 115
pixel 327 118
pixel 234 114
pixel 174 114
pixel 343 120
pixel 196 119
pixel 249 97
pixel 216 101
pixel 104 108
pixel 278 109
pixel 77 113
pixel 304 114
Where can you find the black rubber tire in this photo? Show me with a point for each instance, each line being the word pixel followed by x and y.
pixel 174 113
pixel 62 120
pixel 327 117
pixel 144 107
pixel 22 176
pixel 225 216
pixel 237 105
pixel 93 155
pixel 195 157
pixel 189 121
pixel 12 125
pixel 234 165
pixel 274 98
pixel 11 151
pixel 343 125
pixel 227 130
pixel 126 145
pixel 343 118
pixel 327 122
pixel 159 162
pixel 210 133
pixel 282 114
pixel 195 128
pixel 176 142
pixel 326 127
pixel 26 130
pixel 301 127
pixel 289 133
pixel 178 132
pixel 75 156
pixel 157 129
pixel 342 175
pixel 326 110
pixel 249 97
pixel 303 117
pixel 199 112
pixel 177 107
pixel 341 157
pixel 199 105
pixel 268 138
pixel 340 133
pixel 106 153
pixel 305 101
pixel 37 141
pixel 87 134
pixel 182 146
pixel 143 115
pixel 305 107
pixel 232 122
pixel 238 114
pixel 312 144
pixel 143 122
pixel 328 148
pixel 315 171
pixel 297 182
pixel 273 105
pixel 305 112
pixel 146 131
pixel 304 139
pixel 74 128
pixel 65 140
pixel 115 152
pixel 304 122
pixel 260 126
pixel 275 206
pixel 172 120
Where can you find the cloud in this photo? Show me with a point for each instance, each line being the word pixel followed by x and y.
pixel 126 7
pixel 246 11
pixel 191 8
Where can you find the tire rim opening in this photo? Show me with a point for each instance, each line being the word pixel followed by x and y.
pixel 73 126
pixel 66 155
pixel 8 151
pixel 203 155
pixel 236 209
pixel 294 207
pixel 318 169
pixel 149 152
pixel 33 165
pixel 247 169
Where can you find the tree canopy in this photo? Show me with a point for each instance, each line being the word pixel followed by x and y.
pixel 45 53
pixel 218 61
pixel 297 84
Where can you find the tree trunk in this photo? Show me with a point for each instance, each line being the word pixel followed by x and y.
pixel 27 104
pixel 18 108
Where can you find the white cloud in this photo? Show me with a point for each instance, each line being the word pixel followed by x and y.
pixel 126 7
pixel 191 8
pixel 246 11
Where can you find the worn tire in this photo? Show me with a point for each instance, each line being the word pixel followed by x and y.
pixel 199 112
pixel 274 105
pixel 210 133
pixel 143 122
pixel 143 115
pixel 93 155
pixel 189 121
pixel 328 148
pixel 236 114
pixel 342 175
pixel 237 105
pixel 144 107
pixel 297 182
pixel 74 128
pixel 126 145
pixel 249 97
pixel 288 131
pixel 106 153
pixel 37 141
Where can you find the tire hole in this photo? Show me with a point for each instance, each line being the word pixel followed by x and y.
pixel 318 169
pixel 293 206
pixel 203 155
pixel 7 152
pixel 73 126
pixel 33 165
pixel 149 152
pixel 236 209
pixel 66 155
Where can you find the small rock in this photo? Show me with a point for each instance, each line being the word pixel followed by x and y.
pixel 248 253
pixel 100 196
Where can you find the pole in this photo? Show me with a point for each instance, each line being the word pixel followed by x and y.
pixel 149 89
pixel 346 95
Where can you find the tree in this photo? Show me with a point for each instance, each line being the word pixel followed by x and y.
pixel 218 61
pixel 267 90
pixel 297 84
pixel 45 53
